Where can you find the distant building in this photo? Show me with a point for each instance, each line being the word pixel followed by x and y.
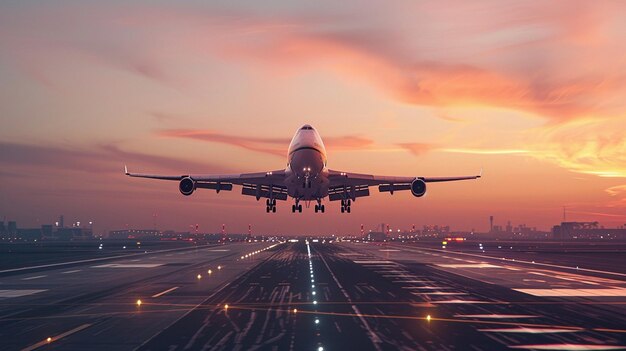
pixel 46 231
pixel 376 236
pixel 133 234
pixel 12 228
pixel 29 234
pixel 586 230
pixel 74 233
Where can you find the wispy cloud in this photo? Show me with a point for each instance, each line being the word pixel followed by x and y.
pixel 109 159
pixel 417 149
pixel 616 190
pixel 272 146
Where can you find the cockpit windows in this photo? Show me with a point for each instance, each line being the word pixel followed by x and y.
pixel 306 127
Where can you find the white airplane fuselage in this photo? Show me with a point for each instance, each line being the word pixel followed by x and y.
pixel 307 175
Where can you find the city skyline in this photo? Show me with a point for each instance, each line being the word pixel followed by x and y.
pixel 530 92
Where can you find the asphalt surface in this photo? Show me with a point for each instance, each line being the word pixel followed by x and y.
pixel 317 296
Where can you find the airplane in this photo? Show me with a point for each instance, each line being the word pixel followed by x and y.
pixel 306 178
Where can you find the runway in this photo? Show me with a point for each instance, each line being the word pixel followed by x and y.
pixel 315 296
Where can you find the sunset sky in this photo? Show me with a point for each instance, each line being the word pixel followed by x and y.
pixel 532 92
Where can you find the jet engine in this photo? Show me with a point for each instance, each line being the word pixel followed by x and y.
pixel 187 186
pixel 418 188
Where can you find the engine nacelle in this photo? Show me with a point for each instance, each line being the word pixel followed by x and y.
pixel 418 188
pixel 187 186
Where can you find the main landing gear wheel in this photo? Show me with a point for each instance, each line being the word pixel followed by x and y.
pixel 319 208
pixel 270 205
pixel 345 206
pixel 295 208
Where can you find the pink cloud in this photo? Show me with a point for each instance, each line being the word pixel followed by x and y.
pixel 272 146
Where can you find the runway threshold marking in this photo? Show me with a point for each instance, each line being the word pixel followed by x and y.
pixel 165 292
pixel 35 277
pixel 57 337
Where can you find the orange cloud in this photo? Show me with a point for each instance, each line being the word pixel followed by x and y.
pixel 591 146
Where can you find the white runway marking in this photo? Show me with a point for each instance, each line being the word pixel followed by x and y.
pixel 18 293
pixel 528 262
pixel 568 347
pixel 70 272
pixel 496 316
pixel 220 250
pixel 621 292
pixel 469 265
pixel 441 293
pixel 530 330
pixel 165 292
pixel 129 265
pixel 389 250
pixel 459 301
pixel 35 277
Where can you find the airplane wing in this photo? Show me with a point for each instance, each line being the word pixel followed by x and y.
pixel 259 184
pixel 346 185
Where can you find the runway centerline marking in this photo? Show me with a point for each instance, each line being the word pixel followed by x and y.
pixel 35 277
pixel 165 292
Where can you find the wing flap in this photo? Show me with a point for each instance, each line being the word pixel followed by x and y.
pixel 265 191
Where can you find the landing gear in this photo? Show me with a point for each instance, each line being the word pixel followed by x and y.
pixel 319 207
pixel 345 205
pixel 296 207
pixel 270 205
